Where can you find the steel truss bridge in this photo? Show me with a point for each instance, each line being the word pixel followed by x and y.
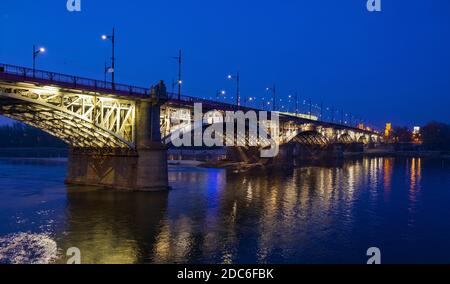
pixel 88 113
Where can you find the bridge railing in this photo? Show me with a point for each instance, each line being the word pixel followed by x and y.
pixel 47 77
pixel 211 103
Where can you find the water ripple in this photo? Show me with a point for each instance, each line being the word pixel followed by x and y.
pixel 27 248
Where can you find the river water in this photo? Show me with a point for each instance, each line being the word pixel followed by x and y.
pixel 313 214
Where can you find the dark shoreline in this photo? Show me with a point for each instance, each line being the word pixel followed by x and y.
pixel 58 152
pixel 402 154
pixel 34 152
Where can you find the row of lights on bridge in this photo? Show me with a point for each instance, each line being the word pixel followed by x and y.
pixel 235 77
pixel 110 69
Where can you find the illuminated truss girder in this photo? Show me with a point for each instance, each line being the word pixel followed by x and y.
pixel 311 138
pixel 81 120
pixel 345 139
pixel 238 139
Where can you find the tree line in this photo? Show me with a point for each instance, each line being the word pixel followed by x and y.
pixel 21 135
pixel 433 136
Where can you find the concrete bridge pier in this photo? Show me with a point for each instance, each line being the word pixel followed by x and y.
pixel 142 169
pixel 284 159
pixel 152 168
pixel 354 147
pixel 303 153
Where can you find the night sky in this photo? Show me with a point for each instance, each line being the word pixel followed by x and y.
pixel 387 66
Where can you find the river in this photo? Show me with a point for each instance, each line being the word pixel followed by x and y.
pixel 312 214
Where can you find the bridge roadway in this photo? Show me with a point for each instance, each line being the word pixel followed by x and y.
pixel 115 131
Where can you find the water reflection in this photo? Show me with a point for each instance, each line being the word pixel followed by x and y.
pixel 112 227
pixel 276 213
pixel 387 173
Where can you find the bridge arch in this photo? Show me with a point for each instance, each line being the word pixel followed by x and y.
pixel 365 139
pixel 311 138
pixel 80 120
pixel 244 140
pixel 345 139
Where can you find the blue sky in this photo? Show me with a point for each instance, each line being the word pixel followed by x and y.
pixel 387 66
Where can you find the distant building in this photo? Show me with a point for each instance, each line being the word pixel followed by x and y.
pixel 416 137
pixel 388 130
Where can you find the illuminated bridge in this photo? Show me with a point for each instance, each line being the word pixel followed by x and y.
pixel 118 133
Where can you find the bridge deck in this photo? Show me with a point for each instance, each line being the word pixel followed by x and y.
pixel 14 73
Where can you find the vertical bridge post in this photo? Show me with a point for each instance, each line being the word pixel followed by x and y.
pixel 143 168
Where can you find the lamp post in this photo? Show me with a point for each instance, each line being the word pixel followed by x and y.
pixel 105 72
pixel 310 109
pixel 237 77
pixel 274 95
pixel 179 60
pixel 321 112
pixel 220 93
pixel 36 52
pixel 112 37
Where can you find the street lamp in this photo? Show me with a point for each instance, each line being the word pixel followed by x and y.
pixel 321 111
pixel 179 60
pixel 274 95
pixel 310 109
pixel 36 52
pixel 236 77
pixel 220 93
pixel 112 70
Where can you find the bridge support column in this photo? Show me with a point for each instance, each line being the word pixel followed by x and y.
pixel 143 168
pixel 311 152
pixel 152 168
pixel 285 157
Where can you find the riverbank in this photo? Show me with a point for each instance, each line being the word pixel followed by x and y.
pixel 34 152
pixel 393 153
